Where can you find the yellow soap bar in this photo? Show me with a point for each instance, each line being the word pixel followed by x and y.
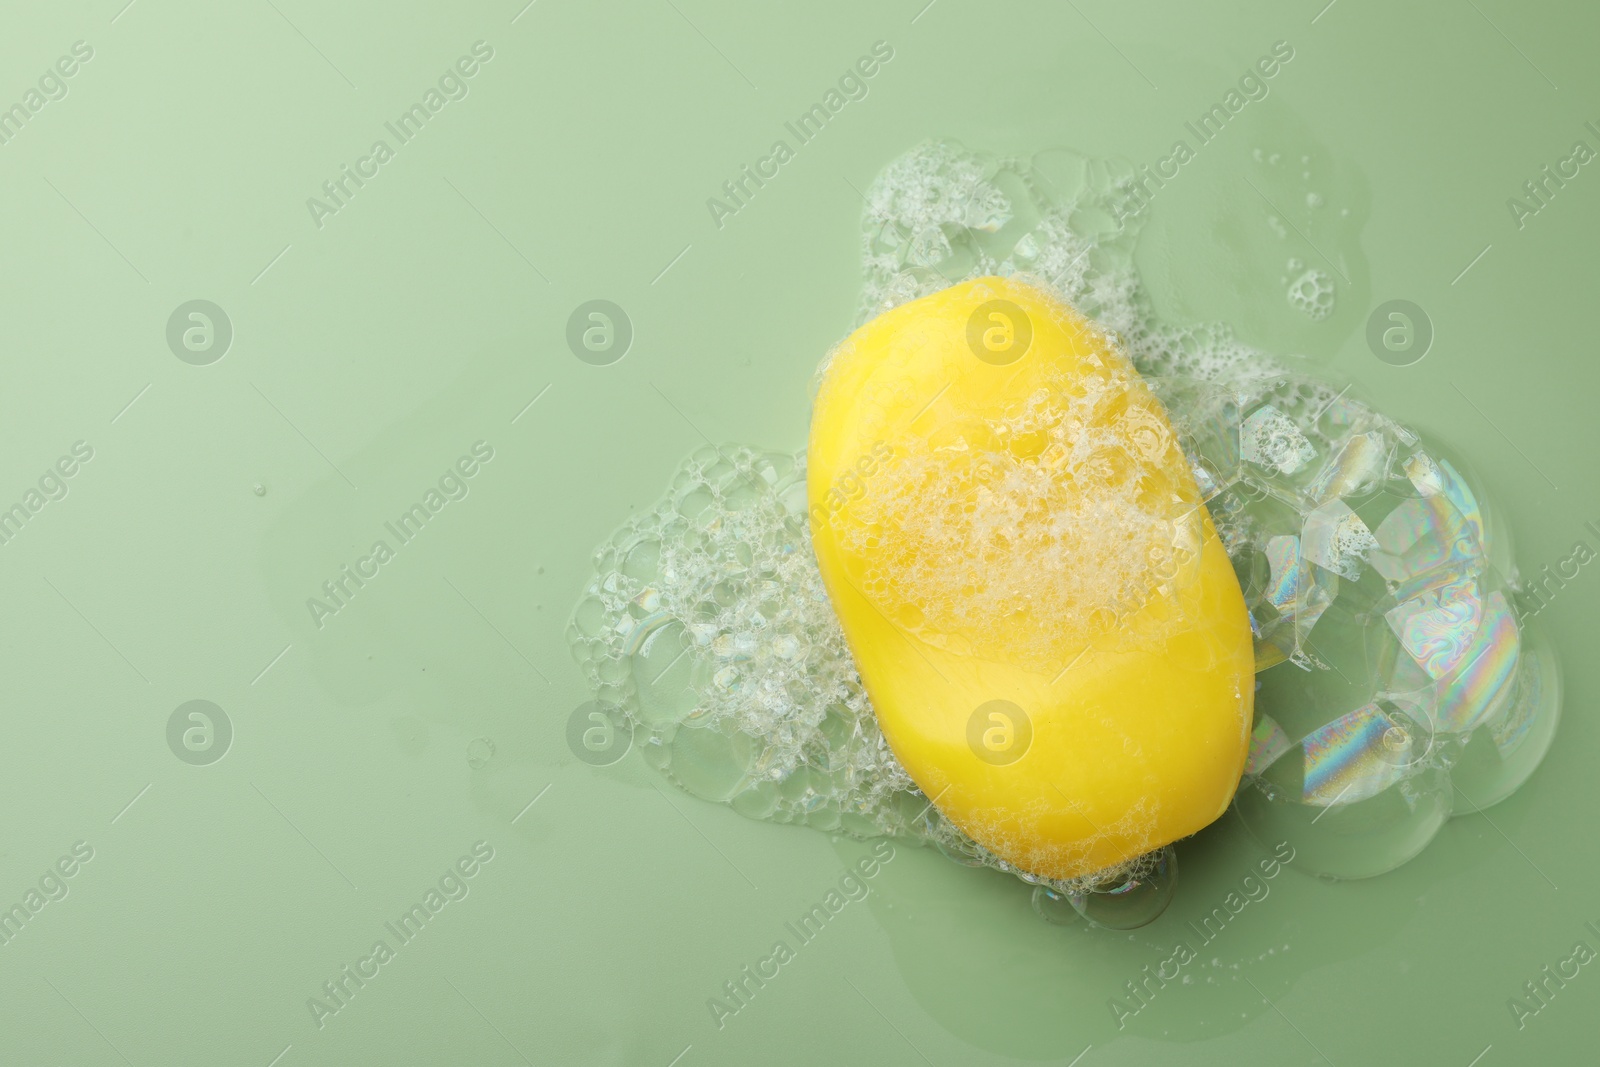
pixel 1050 631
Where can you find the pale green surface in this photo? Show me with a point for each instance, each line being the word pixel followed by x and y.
pixel 407 328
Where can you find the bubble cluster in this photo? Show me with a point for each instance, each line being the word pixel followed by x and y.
pixel 1312 294
pixel 1395 686
pixel 708 624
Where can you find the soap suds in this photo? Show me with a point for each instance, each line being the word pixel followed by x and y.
pixel 708 625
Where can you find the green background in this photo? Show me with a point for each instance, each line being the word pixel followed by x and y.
pixel 368 354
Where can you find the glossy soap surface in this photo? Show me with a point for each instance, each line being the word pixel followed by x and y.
pixel 1045 619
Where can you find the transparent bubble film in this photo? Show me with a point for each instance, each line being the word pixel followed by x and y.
pixel 1396 685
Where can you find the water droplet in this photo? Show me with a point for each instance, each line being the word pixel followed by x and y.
pixel 480 750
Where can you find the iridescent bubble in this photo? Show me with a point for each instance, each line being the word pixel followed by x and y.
pixel 1475 689
pixel 1358 796
pixel 1267 743
pixel 1360 463
pixel 1438 627
pixel 1356 756
pixel 1283 556
pixel 1424 543
pixel 1503 751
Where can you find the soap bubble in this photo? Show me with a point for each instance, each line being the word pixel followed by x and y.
pixel 1054 907
pixel 1396 685
pixel 1131 902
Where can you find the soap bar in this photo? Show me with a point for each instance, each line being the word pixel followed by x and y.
pixel 1052 636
